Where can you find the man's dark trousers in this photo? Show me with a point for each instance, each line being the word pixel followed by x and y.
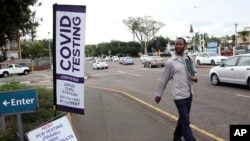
pixel 183 128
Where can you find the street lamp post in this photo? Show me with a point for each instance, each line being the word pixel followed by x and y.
pixel 235 39
pixel 50 59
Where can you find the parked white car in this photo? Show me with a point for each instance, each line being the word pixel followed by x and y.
pixel 14 69
pixel 100 64
pixel 211 58
pixel 115 58
pixel 235 70
pixel 107 58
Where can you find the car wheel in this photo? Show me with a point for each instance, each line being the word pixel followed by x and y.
pixel 5 74
pixel 198 62
pixel 213 63
pixel 26 72
pixel 248 83
pixel 215 79
pixel 150 65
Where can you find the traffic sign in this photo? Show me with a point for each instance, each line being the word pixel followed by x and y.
pixel 21 101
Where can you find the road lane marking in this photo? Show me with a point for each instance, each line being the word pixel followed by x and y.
pixel 241 95
pixel 151 69
pixel 161 111
pixel 99 74
pixel 123 72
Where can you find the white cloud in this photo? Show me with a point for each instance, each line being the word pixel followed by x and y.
pixel 104 17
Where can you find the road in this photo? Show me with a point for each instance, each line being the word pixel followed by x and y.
pixel 214 108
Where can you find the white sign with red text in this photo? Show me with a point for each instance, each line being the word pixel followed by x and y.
pixel 58 130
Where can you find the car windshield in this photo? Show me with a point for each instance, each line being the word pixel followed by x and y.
pixel 213 54
pixel 101 60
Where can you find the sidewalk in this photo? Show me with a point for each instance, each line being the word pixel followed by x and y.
pixel 111 117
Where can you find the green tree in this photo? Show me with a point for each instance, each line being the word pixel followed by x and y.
pixel 158 43
pixel 113 48
pixel 90 50
pixel 233 40
pixel 144 28
pixel 16 20
pixel 35 48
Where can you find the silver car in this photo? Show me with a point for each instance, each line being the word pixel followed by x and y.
pixel 235 70
pixel 240 50
pixel 152 61
pixel 128 61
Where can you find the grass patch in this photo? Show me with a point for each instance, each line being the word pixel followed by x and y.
pixel 30 120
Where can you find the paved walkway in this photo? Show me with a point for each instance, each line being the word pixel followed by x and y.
pixel 112 117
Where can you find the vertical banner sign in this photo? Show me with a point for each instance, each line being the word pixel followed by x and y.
pixel 69 43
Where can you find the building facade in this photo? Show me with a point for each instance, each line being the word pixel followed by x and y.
pixel 13 48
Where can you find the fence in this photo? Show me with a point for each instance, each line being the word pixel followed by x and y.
pixel 36 64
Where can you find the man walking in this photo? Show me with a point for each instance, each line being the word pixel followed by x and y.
pixel 182 75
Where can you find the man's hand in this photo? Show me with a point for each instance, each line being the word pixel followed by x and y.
pixel 194 78
pixel 157 99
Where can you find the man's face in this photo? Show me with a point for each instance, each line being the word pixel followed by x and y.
pixel 179 46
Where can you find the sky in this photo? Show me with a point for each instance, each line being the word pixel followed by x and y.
pixel 104 17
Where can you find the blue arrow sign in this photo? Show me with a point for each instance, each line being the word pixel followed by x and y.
pixel 21 101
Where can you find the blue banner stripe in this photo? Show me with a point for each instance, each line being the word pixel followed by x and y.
pixel 71 8
pixel 70 78
pixel 70 109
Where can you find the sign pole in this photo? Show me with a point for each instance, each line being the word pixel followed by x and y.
pixel 3 123
pixel 20 127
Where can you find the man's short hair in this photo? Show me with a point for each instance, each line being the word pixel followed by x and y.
pixel 181 38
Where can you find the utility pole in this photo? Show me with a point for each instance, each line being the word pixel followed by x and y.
pixel 50 59
pixel 235 39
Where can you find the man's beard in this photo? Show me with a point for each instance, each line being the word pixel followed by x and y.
pixel 179 50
